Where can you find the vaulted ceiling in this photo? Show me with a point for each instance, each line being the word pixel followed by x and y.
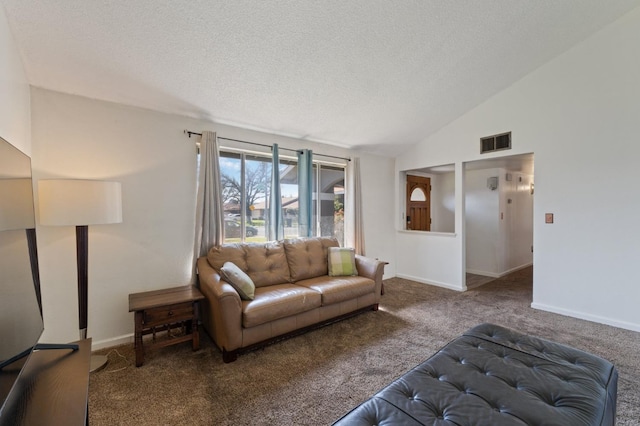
pixel 375 75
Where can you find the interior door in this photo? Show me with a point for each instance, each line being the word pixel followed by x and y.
pixel 418 203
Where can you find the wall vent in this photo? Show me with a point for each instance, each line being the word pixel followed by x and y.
pixel 495 143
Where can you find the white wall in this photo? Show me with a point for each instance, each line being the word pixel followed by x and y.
pixel 435 258
pixel 579 115
pixel 426 257
pixel 15 123
pixel 515 222
pixel 377 195
pixel 482 222
pixel 443 202
pixel 147 151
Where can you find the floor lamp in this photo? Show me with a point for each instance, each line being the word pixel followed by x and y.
pixel 80 203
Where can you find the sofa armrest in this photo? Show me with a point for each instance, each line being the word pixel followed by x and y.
pixel 221 308
pixel 373 269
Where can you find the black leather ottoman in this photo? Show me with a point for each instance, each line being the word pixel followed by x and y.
pixel 495 376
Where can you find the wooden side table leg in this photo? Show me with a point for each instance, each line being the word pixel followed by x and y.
pixel 138 338
pixel 194 327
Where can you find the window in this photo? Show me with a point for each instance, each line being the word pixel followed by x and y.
pixel 418 211
pixel 246 182
pixel 428 202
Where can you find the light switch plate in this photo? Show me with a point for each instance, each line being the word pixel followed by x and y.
pixel 548 218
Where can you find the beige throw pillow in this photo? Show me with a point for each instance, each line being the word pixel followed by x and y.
pixel 238 280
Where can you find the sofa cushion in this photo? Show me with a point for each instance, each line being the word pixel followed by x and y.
pixel 218 255
pixel 238 280
pixel 265 263
pixel 307 257
pixel 342 261
pixel 339 289
pixel 278 301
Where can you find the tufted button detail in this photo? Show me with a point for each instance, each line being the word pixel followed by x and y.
pixel 533 389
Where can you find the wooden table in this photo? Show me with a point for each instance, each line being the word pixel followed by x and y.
pixel 52 389
pixel 165 310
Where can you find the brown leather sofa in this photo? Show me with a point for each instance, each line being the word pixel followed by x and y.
pixel 293 291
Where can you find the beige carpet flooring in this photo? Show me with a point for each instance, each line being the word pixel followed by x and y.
pixel 315 378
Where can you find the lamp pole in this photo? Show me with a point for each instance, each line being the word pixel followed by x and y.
pixel 82 256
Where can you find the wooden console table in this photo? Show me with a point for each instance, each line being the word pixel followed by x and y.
pixel 53 389
pixel 164 310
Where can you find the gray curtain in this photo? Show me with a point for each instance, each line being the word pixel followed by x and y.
pixel 354 226
pixel 209 208
pixel 276 222
pixel 305 193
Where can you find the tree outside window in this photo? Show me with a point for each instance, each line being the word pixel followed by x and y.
pixel 246 197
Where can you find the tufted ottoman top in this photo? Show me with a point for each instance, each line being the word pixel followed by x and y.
pixel 495 376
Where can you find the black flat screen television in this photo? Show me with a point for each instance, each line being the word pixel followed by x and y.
pixel 21 322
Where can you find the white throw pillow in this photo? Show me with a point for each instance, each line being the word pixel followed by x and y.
pixel 239 280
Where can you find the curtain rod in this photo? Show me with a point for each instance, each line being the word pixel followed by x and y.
pixel 189 133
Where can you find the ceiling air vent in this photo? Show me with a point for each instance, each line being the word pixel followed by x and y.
pixel 495 143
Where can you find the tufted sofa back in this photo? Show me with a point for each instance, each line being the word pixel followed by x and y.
pixel 307 257
pixel 276 262
pixel 266 263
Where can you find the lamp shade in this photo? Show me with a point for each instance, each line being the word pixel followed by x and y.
pixel 16 204
pixel 77 202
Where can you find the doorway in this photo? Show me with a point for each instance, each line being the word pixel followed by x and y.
pixel 498 217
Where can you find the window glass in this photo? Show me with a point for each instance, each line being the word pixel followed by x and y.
pixel 231 179
pixel 289 192
pixel 257 182
pixel 246 182
pixel 329 182
pixel 230 174
pixel 418 195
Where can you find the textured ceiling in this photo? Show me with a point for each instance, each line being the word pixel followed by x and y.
pixel 366 74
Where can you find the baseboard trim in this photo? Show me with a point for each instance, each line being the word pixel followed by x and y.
pixel 587 317
pixel 483 273
pixel 498 275
pixel 114 341
pixel 517 268
pixel 431 282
